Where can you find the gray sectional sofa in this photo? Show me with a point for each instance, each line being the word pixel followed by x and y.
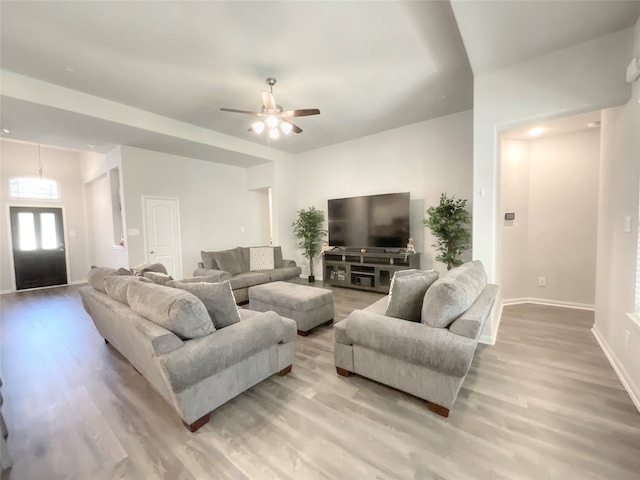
pixel 246 267
pixel 191 342
pixel 421 339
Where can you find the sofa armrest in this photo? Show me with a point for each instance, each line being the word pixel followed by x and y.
pixel 214 275
pixel 289 263
pixel 200 358
pixel 417 343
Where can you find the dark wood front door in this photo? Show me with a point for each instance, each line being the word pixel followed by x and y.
pixel 39 256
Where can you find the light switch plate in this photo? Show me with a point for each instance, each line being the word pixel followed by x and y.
pixel 134 232
pixel 627 224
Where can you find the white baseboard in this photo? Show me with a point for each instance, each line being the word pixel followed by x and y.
pixel 4 292
pixel 77 282
pixel 624 377
pixel 550 303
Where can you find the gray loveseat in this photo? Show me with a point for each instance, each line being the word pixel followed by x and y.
pixel 241 266
pixel 196 356
pixel 429 351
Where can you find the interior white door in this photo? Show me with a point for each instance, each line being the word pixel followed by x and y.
pixel 162 223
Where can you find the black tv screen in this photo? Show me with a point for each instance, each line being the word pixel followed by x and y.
pixel 369 221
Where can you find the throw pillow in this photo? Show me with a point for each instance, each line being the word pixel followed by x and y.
pixel 96 277
pixel 229 261
pixel 116 286
pixel 218 299
pixel 157 277
pixel 407 293
pixel 453 294
pixel 208 260
pixel 176 310
pixel 261 258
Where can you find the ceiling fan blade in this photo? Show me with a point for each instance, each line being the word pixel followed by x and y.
pixel 269 101
pixel 305 112
pixel 239 111
pixel 295 129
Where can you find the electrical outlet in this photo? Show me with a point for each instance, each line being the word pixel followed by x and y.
pixel 627 337
pixel 542 282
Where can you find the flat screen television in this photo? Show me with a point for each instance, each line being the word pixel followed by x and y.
pixel 369 221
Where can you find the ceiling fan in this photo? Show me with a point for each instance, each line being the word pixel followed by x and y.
pixel 273 116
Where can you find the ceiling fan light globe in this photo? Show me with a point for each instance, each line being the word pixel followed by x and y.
pixel 272 121
pixel 286 128
pixel 274 133
pixel 258 127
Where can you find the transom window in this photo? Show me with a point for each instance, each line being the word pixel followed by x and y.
pixel 32 187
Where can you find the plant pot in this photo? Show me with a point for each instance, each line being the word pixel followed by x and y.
pixel 312 278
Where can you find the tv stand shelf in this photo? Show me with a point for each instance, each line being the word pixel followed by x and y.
pixel 365 270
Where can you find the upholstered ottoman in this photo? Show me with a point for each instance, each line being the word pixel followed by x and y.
pixel 308 306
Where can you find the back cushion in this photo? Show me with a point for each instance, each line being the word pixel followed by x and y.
pixel 453 294
pixel 407 292
pixel 116 286
pixel 230 261
pixel 96 277
pixel 217 298
pixel 158 277
pixel 176 310
pixel 209 260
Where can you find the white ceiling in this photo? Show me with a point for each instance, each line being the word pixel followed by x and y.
pixel 170 66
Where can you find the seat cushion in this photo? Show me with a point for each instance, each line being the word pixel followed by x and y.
pixel 217 298
pixel 453 294
pixel 248 279
pixel 176 310
pixel 407 293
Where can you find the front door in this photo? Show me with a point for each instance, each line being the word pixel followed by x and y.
pixel 163 233
pixel 39 256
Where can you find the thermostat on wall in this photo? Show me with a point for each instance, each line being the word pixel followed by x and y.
pixel 509 216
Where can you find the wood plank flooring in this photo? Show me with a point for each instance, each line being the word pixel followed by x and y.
pixel 543 403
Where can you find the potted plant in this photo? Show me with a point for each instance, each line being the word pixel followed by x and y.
pixel 308 229
pixel 449 223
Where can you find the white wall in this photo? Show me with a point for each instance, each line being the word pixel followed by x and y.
pixel 215 205
pixel 20 159
pixel 425 158
pixel 551 184
pixel 582 78
pixel 617 248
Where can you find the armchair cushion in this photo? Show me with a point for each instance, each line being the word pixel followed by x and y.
pixel 407 293
pixel 218 300
pixel 453 294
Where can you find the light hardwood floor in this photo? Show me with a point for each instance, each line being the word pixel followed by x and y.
pixel 543 403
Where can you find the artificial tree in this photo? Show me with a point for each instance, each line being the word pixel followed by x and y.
pixel 449 222
pixel 308 229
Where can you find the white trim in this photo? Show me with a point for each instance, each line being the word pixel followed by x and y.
pixel 550 303
pixel 618 368
pixel 635 318
pixel 78 282
pixel 4 292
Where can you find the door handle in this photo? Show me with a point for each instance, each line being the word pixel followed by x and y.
pixel 152 252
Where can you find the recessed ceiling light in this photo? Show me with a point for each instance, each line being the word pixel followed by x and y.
pixel 4 131
pixel 92 146
pixel 70 70
pixel 534 132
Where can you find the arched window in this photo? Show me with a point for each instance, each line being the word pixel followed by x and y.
pixel 33 187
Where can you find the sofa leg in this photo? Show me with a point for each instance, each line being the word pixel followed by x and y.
pixel 198 423
pixel 329 322
pixel 106 341
pixel 343 372
pixel 285 370
pixel 303 334
pixel 439 409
